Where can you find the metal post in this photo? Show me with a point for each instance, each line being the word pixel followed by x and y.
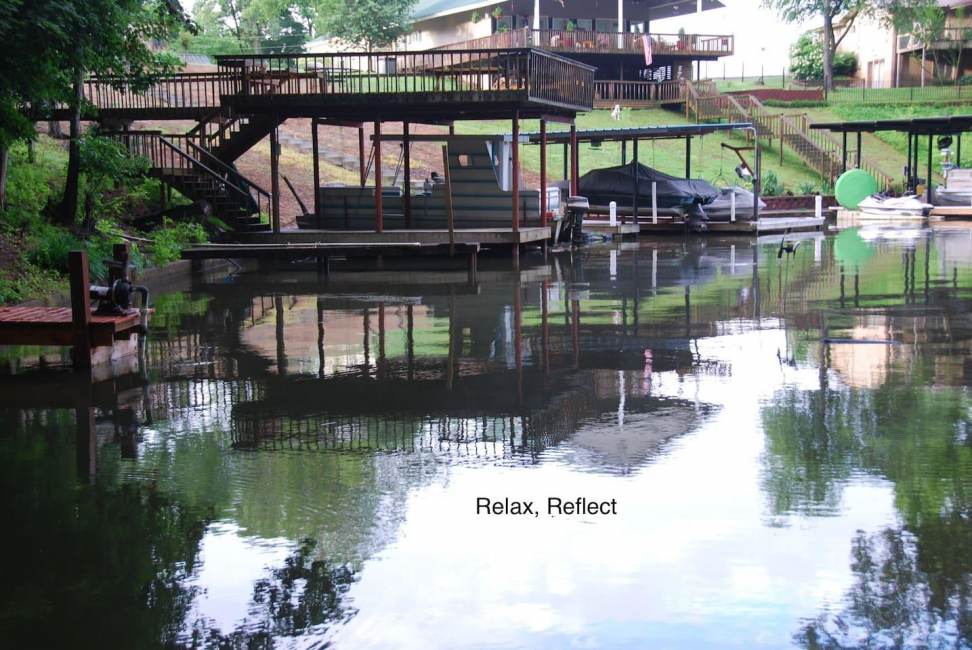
pixel 843 154
pixel 379 217
pixel 275 180
pixel 688 157
pixel 516 171
pixel 566 173
pixel 958 150
pixel 910 170
pixel 758 181
pixel 624 152
pixel 858 155
pixel 317 171
pixel 407 169
pixel 543 172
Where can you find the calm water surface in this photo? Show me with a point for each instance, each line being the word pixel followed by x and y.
pixel 788 442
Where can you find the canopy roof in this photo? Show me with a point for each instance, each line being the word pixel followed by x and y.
pixel 944 125
pixel 641 133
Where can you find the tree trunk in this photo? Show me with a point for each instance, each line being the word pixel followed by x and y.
pixel 69 204
pixel 828 52
pixel 4 160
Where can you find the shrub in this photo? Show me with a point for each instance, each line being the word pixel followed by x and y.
pixel 806 188
pixel 172 237
pixel 771 185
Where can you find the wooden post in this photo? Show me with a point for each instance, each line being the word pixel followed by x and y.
pixel 379 222
pixel 80 308
pixel 317 170
pixel 573 159
pixel 275 180
pixel 543 172
pixel 516 171
pixel 278 314
pixel 634 175
pixel 407 165
pixel 362 172
pixel 450 218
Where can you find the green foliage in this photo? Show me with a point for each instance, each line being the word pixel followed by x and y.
pixel 45 44
pixel 806 188
pixel 372 24
pixel 806 59
pixel 771 185
pixel 251 25
pixel 172 237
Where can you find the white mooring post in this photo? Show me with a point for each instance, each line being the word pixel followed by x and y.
pixel 732 205
pixel 654 203
pixel 613 213
pixel 818 206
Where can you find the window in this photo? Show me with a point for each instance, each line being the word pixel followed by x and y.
pixel 605 25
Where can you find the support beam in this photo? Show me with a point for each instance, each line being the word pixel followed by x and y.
pixel 928 180
pixel 516 171
pixel 362 172
pixel 566 159
pixel 275 180
pixel 857 155
pixel 573 160
pixel 910 173
pixel 543 172
pixel 958 150
pixel 379 217
pixel 634 174
pixel 317 171
pixel 407 169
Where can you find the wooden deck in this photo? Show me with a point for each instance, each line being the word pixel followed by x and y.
pixel 764 226
pixel 481 236
pixel 53 326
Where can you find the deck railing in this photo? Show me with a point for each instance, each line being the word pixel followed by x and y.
pixel 183 90
pixel 532 73
pixel 585 41
pixel 638 93
pixel 167 156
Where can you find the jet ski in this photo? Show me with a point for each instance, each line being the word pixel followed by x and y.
pixel 902 206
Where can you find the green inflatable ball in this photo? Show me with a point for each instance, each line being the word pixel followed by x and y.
pixel 854 186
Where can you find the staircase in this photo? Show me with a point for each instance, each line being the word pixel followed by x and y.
pixel 817 149
pixel 201 177
pixel 229 137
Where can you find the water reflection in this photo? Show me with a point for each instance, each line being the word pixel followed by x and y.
pixel 785 434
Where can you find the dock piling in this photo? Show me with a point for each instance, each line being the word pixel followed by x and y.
pixel 80 308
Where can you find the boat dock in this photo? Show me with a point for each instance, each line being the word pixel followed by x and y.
pixel 95 339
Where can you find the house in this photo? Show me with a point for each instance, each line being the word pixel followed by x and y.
pixel 887 59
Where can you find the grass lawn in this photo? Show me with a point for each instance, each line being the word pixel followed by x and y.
pixel 889 149
pixel 709 160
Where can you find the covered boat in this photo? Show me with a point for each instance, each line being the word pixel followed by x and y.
pixel 721 208
pixel 685 196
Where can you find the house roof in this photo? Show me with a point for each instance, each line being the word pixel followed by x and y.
pixel 425 9
pixel 431 8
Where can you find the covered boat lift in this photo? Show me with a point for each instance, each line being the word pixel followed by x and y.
pixel 570 139
pixel 952 125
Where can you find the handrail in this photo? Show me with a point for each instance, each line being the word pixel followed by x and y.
pixel 599 41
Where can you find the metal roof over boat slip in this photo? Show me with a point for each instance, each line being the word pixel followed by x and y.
pixel 641 133
pixel 944 125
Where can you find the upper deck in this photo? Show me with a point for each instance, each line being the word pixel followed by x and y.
pixel 694 46
pixel 389 86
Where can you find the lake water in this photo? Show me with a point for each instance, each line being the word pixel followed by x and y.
pixel 786 443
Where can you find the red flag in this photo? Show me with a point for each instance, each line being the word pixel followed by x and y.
pixel 646 40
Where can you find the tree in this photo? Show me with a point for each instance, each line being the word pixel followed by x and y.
pixel 372 24
pixel 49 46
pixel 806 59
pixel 838 19
pixel 258 25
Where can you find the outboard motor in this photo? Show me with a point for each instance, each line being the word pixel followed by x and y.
pixel 577 208
pixel 697 218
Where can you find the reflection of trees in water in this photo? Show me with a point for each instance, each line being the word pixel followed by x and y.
pixel 912 589
pixel 301 596
pixel 89 565
pixel 913 582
